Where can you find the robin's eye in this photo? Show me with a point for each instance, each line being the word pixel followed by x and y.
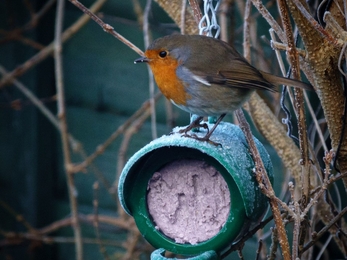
pixel 162 54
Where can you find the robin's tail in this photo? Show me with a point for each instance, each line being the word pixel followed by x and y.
pixel 276 80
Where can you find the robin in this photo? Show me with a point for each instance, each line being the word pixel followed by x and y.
pixel 206 76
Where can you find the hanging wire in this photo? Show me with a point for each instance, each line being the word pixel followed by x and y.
pixel 288 119
pixel 208 24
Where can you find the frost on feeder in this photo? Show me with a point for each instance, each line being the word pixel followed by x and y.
pixel 188 196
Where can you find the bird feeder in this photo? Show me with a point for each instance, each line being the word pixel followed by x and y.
pixel 191 197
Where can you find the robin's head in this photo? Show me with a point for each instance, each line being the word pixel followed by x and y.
pixel 165 50
pixel 190 50
pixel 164 56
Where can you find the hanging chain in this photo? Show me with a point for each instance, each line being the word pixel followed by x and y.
pixel 208 23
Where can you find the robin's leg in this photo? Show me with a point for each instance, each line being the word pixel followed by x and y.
pixel 196 123
pixel 206 138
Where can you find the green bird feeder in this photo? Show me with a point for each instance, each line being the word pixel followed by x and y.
pixel 191 197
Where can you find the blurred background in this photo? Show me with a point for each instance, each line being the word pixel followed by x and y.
pixel 106 100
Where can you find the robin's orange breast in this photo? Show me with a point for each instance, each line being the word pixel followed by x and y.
pixel 164 71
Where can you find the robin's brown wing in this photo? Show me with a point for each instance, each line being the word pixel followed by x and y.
pixel 239 74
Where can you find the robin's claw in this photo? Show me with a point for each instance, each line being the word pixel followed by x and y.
pixel 193 125
pixel 205 138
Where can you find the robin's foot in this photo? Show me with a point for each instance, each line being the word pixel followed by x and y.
pixel 195 124
pixel 205 138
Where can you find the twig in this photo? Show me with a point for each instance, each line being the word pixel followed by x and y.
pixel 260 172
pixel 130 244
pixel 96 220
pixel 121 160
pixel 100 177
pixel 37 16
pixel 9 36
pixel 223 20
pixel 239 253
pixel 265 185
pixel 174 9
pixel 297 220
pixel 329 156
pixel 302 128
pixel 269 18
pixel 16 238
pixel 15 33
pixel 287 120
pixel 274 244
pixel 63 126
pixel 260 245
pixel 18 217
pixel 324 247
pixel 285 90
pixel 315 121
pixel 246 236
pixel 183 17
pixel 335 28
pixel 315 24
pixel 48 50
pixel 318 235
pixel 106 27
pixel 283 47
pixel 127 224
pixel 151 85
pixel 138 11
pixel 246 37
pixel 196 10
pixel 294 61
pixel 296 230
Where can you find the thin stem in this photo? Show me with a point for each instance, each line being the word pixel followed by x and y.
pixel 270 19
pixel 293 58
pixel 246 26
pixel 64 131
pixel 315 121
pixel 196 10
pixel 147 37
pixel 261 175
pixel 130 131
pixel 315 24
pixel 37 16
pixel 15 238
pixel 106 27
pixel 324 230
pixel 20 218
pixel 265 185
pixel 183 17
pixel 96 220
pixel 246 236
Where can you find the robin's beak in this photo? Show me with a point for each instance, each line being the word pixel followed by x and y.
pixel 142 59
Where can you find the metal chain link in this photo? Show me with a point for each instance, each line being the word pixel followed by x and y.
pixel 208 23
